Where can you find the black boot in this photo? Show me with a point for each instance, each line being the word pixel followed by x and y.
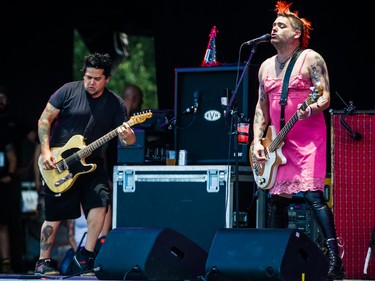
pixel 279 212
pixel 336 268
pixel 326 222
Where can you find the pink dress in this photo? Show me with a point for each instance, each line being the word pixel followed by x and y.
pixel 304 145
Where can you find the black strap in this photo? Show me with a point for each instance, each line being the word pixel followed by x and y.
pixel 94 116
pixel 284 93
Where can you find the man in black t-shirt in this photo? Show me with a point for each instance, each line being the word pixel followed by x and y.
pixel 68 114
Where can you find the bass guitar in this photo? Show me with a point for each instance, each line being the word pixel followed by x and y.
pixel 70 159
pixel 265 174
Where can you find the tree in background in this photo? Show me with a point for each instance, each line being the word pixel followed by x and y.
pixel 138 68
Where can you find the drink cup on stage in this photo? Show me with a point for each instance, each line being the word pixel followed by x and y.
pixel 170 158
pixel 243 133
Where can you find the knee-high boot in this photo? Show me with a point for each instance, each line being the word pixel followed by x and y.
pixel 279 212
pixel 326 222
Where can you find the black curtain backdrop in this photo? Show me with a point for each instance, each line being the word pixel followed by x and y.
pixel 37 47
pixel 339 35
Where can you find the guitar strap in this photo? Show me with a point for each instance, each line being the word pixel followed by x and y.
pixel 94 115
pixel 284 93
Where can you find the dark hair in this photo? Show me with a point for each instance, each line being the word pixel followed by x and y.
pixel 100 61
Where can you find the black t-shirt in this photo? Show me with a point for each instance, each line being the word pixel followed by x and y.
pixel 76 106
pixel 4 141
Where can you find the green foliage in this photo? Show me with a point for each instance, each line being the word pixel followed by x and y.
pixel 138 68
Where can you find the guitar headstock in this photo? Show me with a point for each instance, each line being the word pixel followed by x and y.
pixel 140 117
pixel 316 93
pixel 213 32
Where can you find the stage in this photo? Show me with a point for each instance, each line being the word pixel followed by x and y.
pixel 17 277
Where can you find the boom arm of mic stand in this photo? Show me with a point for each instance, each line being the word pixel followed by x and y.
pixel 234 93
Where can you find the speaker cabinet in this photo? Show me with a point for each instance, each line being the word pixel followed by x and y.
pixel 353 181
pixel 265 254
pixel 145 253
pixel 203 131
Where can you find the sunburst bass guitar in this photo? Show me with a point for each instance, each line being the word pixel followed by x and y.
pixel 265 174
pixel 70 159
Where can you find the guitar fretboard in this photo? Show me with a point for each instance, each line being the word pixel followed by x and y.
pixel 86 151
pixel 284 131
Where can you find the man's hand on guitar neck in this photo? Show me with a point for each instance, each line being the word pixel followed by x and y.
pixel 126 134
pixel 304 113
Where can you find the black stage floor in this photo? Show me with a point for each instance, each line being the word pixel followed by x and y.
pixel 26 277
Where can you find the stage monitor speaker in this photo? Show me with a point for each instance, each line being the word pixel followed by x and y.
pixel 145 253
pixel 265 254
pixel 203 130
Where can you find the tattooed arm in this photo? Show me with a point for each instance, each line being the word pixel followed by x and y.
pixel 261 119
pixel 316 68
pixel 44 127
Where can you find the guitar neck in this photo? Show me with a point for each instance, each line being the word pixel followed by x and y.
pixel 86 151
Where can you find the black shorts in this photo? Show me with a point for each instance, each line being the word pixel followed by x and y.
pixel 90 189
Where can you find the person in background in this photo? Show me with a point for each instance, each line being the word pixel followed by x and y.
pixel 10 187
pixel 8 162
pixel 29 143
pixel 305 145
pixel 68 113
pixel 133 98
pixel 24 138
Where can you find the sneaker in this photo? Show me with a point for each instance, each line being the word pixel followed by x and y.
pixel 44 267
pixel 5 266
pixel 83 265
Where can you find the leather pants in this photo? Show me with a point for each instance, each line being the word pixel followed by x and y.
pixel 324 215
pixel 326 222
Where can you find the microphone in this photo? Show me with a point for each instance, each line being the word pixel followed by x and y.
pixel 188 110
pixel 261 39
pixel 353 135
pixel 350 108
pixel 224 103
pixel 196 98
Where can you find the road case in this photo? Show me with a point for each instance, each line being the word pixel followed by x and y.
pixel 193 200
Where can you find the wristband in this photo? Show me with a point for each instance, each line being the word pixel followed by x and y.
pixel 310 110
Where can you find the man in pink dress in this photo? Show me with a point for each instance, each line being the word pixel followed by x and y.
pixel 304 146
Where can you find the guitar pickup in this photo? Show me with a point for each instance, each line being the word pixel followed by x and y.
pixel 64 179
pixel 62 166
pixel 256 170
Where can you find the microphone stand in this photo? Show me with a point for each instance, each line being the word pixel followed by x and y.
pixel 234 113
pixel 234 93
pixel 236 175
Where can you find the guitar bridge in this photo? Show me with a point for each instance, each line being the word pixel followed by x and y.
pixel 64 179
